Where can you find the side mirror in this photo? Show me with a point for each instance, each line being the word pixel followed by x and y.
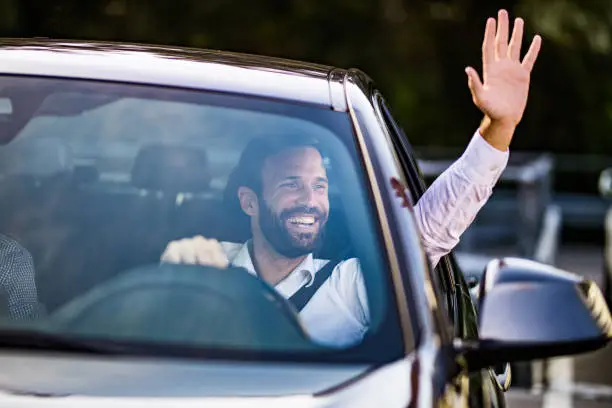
pixel 605 183
pixel 533 311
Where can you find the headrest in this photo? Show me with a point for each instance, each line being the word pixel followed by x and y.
pixel 37 157
pixel 171 168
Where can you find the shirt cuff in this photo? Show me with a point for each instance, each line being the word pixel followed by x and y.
pixel 481 162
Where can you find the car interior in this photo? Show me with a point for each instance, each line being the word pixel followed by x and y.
pixel 97 178
pixel 84 222
pixel 82 230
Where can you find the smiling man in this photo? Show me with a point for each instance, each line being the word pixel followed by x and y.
pixel 282 186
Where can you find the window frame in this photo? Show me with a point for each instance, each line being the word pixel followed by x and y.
pixel 354 354
pixel 442 277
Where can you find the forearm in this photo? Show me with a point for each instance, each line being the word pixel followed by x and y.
pixel 497 133
pixel 451 203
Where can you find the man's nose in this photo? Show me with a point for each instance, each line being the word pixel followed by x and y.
pixel 307 195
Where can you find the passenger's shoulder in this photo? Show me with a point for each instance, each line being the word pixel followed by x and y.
pixel 10 247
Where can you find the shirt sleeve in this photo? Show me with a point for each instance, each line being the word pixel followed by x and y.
pixel 451 203
pixel 17 281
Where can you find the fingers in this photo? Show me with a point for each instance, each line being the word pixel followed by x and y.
pixel 495 44
pixel 217 254
pixel 197 250
pixel 532 53
pixel 514 50
pixel 172 253
pixel 206 252
pixel 182 251
pixel 201 250
pixel 488 44
pixel 501 39
pixel 474 82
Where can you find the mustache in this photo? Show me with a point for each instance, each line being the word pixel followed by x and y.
pixel 302 210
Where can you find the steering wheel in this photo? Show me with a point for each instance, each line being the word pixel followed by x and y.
pixel 186 304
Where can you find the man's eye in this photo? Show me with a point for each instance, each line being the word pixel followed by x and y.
pixel 320 187
pixel 290 184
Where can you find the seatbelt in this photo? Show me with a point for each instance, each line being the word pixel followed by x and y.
pixel 301 298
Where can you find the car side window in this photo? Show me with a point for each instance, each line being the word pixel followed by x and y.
pixel 443 277
pixel 449 277
pixel 416 178
pixel 443 271
pixel 466 323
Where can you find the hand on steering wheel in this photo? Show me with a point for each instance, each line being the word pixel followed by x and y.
pixel 196 251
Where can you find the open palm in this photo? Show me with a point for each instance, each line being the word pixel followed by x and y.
pixel 502 95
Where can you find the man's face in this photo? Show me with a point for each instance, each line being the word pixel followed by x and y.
pixel 294 202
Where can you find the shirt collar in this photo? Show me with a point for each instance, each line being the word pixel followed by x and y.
pixel 243 260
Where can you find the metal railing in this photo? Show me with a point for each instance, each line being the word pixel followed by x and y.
pixel 547 246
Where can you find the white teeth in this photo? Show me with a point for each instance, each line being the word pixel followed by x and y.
pixel 302 220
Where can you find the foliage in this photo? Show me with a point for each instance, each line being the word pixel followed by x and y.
pixel 415 50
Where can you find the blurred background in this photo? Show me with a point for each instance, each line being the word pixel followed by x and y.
pixel 416 52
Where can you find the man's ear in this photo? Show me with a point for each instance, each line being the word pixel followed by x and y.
pixel 248 201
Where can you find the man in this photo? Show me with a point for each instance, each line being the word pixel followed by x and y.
pixel 285 195
pixel 18 297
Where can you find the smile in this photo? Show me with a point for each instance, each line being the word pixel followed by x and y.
pixel 303 220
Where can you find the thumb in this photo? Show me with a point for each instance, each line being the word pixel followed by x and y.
pixel 474 82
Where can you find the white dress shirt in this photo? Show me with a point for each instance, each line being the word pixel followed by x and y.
pixel 338 313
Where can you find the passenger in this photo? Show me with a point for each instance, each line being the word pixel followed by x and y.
pixel 17 281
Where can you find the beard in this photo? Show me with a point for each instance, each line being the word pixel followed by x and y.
pixel 286 243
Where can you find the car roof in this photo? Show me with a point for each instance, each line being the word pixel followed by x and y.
pixel 176 66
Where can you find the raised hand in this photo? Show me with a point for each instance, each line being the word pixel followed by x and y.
pixel 502 94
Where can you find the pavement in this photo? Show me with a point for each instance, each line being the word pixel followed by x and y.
pixel 524 399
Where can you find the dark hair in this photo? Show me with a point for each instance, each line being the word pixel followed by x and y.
pixel 248 172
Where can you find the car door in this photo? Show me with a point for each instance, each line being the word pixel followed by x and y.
pixel 484 388
pixel 466 328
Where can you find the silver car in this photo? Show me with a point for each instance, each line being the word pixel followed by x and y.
pixel 110 151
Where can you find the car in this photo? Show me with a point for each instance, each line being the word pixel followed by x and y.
pixel 111 151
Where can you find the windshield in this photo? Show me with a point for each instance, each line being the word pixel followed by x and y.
pixel 122 203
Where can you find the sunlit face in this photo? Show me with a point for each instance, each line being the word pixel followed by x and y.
pixel 294 202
